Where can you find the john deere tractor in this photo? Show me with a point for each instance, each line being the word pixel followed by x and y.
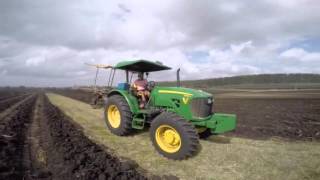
pixel 177 116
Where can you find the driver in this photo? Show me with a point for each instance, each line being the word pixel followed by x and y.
pixel 140 85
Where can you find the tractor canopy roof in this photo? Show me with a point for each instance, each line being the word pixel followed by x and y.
pixel 141 66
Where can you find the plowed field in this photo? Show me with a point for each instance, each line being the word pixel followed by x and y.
pixel 37 141
pixel 48 136
pixel 289 114
pixel 220 157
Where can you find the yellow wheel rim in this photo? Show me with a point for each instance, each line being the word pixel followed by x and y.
pixel 114 117
pixel 168 139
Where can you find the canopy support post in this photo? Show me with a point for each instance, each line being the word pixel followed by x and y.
pixel 127 76
pixel 114 71
pixel 95 80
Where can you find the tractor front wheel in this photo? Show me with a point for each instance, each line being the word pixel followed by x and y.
pixel 118 115
pixel 173 136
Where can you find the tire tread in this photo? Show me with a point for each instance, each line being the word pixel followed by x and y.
pixel 189 135
pixel 126 115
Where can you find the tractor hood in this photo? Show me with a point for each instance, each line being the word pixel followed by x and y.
pixel 193 93
pixel 189 103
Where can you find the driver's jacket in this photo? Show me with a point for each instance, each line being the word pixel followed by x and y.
pixel 140 85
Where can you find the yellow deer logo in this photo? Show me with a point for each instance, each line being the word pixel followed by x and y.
pixel 185 99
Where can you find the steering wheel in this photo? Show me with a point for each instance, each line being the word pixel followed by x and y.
pixel 151 85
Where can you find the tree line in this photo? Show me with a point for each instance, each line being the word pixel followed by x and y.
pixel 250 79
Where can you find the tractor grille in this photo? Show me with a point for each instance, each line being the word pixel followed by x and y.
pixel 201 107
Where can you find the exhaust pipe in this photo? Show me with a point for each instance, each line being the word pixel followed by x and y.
pixel 178 78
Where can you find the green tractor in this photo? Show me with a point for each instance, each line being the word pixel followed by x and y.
pixel 177 116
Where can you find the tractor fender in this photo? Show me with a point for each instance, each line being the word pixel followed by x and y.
pixel 131 100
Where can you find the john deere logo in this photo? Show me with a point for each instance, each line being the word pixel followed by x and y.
pixel 185 99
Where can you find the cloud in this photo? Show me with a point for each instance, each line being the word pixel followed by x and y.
pixel 35 61
pixel 3 72
pixel 238 48
pixel 48 42
pixel 300 54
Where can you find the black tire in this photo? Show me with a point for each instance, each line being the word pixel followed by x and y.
pixel 205 134
pixel 125 127
pixel 187 132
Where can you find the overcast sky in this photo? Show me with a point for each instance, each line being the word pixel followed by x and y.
pixel 46 43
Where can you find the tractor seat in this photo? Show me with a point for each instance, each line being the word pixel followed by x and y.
pixel 123 86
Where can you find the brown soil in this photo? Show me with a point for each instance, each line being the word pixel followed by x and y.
pixel 37 141
pixel 5 103
pixel 8 92
pixel 261 118
pixel 77 94
pixel 293 115
pixel 12 138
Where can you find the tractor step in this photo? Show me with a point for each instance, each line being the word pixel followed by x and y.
pixel 138 123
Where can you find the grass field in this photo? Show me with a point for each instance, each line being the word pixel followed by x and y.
pixel 220 157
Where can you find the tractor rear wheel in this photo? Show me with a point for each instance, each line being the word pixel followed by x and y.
pixel 118 115
pixel 174 137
